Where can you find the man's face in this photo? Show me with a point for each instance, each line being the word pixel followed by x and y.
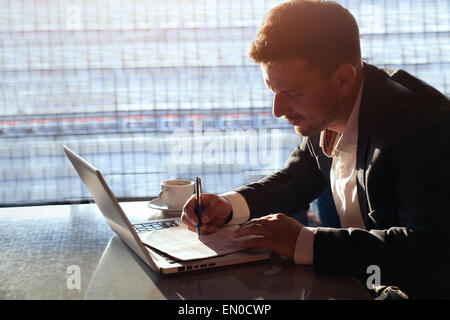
pixel 301 96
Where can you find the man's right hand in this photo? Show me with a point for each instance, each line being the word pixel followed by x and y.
pixel 216 210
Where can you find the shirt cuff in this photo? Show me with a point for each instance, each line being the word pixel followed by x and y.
pixel 304 247
pixel 241 212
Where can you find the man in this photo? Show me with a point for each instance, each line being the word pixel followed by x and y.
pixel 378 137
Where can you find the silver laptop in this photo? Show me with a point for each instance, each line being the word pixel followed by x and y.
pixel 129 233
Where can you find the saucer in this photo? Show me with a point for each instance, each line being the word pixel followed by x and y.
pixel 160 205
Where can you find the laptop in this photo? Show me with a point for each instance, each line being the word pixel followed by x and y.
pixel 130 233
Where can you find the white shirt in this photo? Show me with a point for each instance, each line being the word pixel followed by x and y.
pixel 343 172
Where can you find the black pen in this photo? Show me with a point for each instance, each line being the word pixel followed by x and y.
pixel 198 203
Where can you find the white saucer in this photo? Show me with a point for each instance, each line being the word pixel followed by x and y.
pixel 160 205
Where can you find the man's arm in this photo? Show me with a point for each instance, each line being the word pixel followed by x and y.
pixel 288 191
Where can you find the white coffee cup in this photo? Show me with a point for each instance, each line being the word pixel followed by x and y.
pixel 175 193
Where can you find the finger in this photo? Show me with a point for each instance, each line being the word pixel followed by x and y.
pixel 189 224
pixel 192 228
pixel 208 228
pixel 188 216
pixel 204 229
pixel 250 229
pixel 207 199
pixel 206 213
pixel 256 221
pixel 259 242
pixel 215 210
pixel 187 219
pixel 263 220
pixel 210 214
pixel 211 208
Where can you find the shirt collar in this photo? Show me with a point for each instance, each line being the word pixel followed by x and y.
pixel 331 141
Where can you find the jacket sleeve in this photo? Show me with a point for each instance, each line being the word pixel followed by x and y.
pixel 289 190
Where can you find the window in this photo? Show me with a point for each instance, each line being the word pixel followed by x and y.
pixel 152 90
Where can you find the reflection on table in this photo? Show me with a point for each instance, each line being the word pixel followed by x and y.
pixel 41 243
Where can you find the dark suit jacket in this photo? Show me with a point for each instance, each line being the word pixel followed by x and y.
pixel 403 183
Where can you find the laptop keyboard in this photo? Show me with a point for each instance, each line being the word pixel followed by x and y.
pixel 151 226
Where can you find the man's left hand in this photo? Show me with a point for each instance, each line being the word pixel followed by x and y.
pixel 277 232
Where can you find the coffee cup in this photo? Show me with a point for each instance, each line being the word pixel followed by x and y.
pixel 175 193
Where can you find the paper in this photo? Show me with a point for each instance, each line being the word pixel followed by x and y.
pixel 181 243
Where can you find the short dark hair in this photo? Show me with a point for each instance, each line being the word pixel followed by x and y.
pixel 322 32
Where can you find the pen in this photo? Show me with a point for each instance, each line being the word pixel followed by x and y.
pixel 198 203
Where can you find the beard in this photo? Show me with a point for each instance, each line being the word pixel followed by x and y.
pixel 308 131
pixel 313 126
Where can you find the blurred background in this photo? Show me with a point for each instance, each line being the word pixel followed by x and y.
pixel 160 89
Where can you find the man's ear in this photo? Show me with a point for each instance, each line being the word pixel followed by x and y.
pixel 343 78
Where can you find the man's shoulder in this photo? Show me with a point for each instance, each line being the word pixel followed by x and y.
pixel 401 97
pixel 397 85
pixel 399 106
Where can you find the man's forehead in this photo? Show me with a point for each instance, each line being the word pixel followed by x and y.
pixel 284 71
pixel 271 71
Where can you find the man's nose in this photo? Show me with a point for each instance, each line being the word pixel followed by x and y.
pixel 280 105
